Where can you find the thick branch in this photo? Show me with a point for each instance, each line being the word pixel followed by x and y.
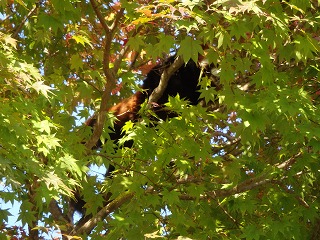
pixel 289 162
pixel 99 15
pixel 102 214
pixel 165 76
pixel 241 187
pixel 56 212
pixel 116 21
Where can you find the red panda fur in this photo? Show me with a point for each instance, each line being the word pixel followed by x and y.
pixel 128 108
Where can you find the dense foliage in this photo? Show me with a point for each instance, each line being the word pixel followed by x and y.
pixel 246 160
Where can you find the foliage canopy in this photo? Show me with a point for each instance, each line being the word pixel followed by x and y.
pixel 245 166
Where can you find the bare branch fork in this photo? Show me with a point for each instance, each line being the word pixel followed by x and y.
pixel 109 73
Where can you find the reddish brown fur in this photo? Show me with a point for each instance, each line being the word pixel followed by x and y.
pixel 128 108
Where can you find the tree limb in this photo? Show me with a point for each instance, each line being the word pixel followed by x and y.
pixel 110 74
pixel 102 214
pixel 99 15
pixel 286 164
pixel 116 21
pixel 165 76
pixel 245 185
pixel 56 212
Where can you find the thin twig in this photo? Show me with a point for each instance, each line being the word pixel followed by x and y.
pixel 227 213
pixel 222 134
pixel 18 29
pixel 286 189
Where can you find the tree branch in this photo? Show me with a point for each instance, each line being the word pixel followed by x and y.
pixel 116 21
pixel 99 15
pixel 18 29
pixel 87 227
pixel 222 134
pixel 120 56
pixel 240 188
pixel 109 73
pixel 286 189
pixel 56 212
pixel 245 185
pixel 165 76
pixel 289 162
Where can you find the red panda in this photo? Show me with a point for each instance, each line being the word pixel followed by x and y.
pixel 183 82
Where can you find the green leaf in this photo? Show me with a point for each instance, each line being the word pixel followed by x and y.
pixel 44 126
pixel 136 42
pixel 170 197
pixel 82 39
pixel 47 21
pixel 191 3
pixel 4 214
pixel 76 62
pixel 8 40
pixel 183 24
pixel 305 47
pixel 128 126
pixel 251 232
pixel 165 44
pixel 68 163
pixel 47 143
pixel 26 215
pixel 190 49
pixel 40 87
